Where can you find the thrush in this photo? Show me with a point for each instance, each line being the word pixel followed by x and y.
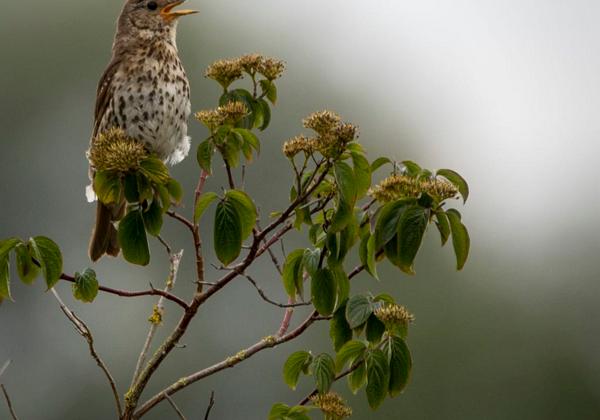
pixel 145 92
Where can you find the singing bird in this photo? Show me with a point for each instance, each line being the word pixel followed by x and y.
pixel 145 92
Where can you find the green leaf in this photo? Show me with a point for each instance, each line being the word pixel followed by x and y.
pixel 5 277
pixel 460 238
pixel 411 228
pixel 457 180
pixel 292 273
pixel 342 217
pixel 362 173
pixel 375 329
pixel 155 170
pixel 202 204
pixel 26 268
pixel 400 365
pixel 107 186
pixel 281 411
pixel 248 137
pixel 311 260
pixel 130 184
pixel 8 245
pixel 175 190
pixel 339 330
pixel 153 218
pixel 231 151
pixel 387 222
pixel 384 297
pixel 48 254
pixel 205 154
pixel 227 232
pixel 270 90
pixel 342 281
pixel 132 238
pixel 245 208
pixel 412 168
pixel 346 182
pixel 323 368
pixel 86 286
pixel 358 377
pixel 358 310
pixel 146 192
pixel 297 363
pixel 241 95
pixel 323 291
pixel 349 353
pixel 163 194
pixel 371 257
pixel 378 163
pixel 263 114
pixel 378 377
pixel 443 226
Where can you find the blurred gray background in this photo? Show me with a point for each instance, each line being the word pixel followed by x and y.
pixel 507 93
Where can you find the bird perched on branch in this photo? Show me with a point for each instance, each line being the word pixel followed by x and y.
pixel 145 92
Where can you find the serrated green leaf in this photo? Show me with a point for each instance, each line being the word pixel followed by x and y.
pixel 358 310
pixel 384 297
pixel 202 204
pixel 227 232
pixel 378 163
pixel 371 257
pixel 323 368
pixel 8 245
pixel 323 291
pixel 311 260
pixel 130 187
pixel 457 180
pixel 269 90
pixel 205 154
pixel 412 168
pixel 342 282
pixel 411 228
pixel 245 208
pixel 378 377
pixel 443 226
pixel 263 114
pixel 146 191
pixel 231 151
pixel 374 330
pixel 155 170
pixel 346 182
pixel 249 138
pixel 48 254
pixel 400 365
pixel 165 197
pixel 281 411
pixel 297 363
pixel 133 239
pixel 26 269
pixel 349 353
pixel 86 286
pixel 292 273
pixel 387 221
pixel 175 190
pixel 460 238
pixel 339 330
pixel 107 186
pixel 362 173
pixel 153 218
pixel 358 378
pixel 5 277
pixel 342 217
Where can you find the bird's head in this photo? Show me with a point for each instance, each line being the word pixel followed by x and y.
pixel 150 18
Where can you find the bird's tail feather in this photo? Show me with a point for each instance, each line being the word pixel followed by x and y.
pixel 104 236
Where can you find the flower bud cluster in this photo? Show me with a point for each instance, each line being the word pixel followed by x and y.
pixel 393 314
pixel 114 151
pixel 396 187
pixel 227 71
pixel 332 405
pixel 232 112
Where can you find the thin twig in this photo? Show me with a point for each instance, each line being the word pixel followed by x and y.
pixel 272 302
pixel 181 219
pixel 265 343
pixel 177 410
pixel 174 260
pixel 85 332
pixel 211 404
pixel 9 403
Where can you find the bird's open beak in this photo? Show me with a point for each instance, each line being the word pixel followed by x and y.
pixel 168 13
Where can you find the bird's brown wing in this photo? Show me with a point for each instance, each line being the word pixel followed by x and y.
pixel 104 93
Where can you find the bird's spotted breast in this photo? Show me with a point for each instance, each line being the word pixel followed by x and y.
pixel 151 101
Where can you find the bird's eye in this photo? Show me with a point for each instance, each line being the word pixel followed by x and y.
pixel 152 5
